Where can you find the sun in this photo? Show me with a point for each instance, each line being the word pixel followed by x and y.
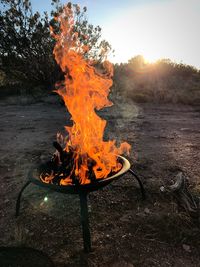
pixel 150 59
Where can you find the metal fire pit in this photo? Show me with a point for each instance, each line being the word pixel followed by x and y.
pixel 82 190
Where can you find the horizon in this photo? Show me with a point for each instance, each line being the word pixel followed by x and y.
pixel 166 29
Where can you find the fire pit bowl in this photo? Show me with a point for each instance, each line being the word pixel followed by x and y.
pixel 35 171
pixel 82 190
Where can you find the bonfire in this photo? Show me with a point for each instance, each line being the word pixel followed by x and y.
pixel 83 155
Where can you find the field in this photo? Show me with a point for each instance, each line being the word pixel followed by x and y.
pixel 126 231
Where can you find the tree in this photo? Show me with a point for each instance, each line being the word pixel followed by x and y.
pixel 136 63
pixel 26 44
pixel 88 34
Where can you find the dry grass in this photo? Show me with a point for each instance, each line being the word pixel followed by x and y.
pixel 162 82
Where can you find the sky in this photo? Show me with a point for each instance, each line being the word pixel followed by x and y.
pixel 152 28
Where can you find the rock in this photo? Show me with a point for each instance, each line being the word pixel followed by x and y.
pixel 6 201
pixel 162 189
pixel 147 211
pixel 121 263
pixel 186 248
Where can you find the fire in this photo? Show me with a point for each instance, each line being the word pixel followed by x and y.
pixel 84 90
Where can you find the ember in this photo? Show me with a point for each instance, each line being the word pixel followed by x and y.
pixel 85 156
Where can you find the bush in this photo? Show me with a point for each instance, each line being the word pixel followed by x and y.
pixel 161 82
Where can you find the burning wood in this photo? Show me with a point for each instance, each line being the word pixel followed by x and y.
pixel 60 169
pixel 62 165
pixel 86 156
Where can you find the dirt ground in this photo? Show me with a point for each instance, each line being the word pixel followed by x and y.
pixel 126 231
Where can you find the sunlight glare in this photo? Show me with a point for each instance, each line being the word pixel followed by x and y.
pixel 166 29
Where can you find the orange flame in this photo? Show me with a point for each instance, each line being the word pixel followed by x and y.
pixel 85 90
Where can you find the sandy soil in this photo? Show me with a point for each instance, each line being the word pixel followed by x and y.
pixel 126 231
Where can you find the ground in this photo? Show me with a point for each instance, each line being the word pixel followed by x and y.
pixel 126 231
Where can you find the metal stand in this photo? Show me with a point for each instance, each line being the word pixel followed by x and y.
pixel 83 210
pixel 140 184
pixel 85 221
pixel 19 198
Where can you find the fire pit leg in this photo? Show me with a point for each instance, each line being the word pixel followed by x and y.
pixel 140 184
pixel 85 221
pixel 19 198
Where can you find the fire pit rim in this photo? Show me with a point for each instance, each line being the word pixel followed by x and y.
pixel 75 189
